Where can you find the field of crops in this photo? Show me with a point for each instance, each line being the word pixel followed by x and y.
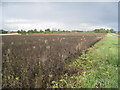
pixel 36 60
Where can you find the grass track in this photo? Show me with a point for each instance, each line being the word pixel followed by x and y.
pixel 98 68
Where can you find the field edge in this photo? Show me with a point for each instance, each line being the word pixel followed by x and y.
pixel 89 70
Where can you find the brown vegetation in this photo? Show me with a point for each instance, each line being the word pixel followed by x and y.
pixel 35 60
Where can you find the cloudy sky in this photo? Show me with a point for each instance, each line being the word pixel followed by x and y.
pixel 59 15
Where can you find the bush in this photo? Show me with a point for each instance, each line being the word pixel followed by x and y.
pixel 3 32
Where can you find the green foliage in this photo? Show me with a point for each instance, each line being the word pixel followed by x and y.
pixel 104 31
pixel 21 31
pixel 76 31
pixel 41 31
pixel 18 31
pixel 30 31
pixel 3 32
pixel 55 84
pixel 60 31
pixel 47 30
pixel 97 69
pixel 35 31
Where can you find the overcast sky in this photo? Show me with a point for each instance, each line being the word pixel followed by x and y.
pixel 59 15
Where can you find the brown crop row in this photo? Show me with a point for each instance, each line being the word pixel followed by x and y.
pixel 33 60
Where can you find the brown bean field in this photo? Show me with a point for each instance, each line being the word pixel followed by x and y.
pixel 36 60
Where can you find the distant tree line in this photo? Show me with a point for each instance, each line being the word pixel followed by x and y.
pixel 3 31
pixel 40 31
pixel 51 31
pixel 104 31
pixel 58 31
pixel 45 31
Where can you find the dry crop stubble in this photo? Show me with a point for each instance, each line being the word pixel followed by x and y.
pixel 35 60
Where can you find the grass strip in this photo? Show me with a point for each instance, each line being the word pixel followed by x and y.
pixel 98 68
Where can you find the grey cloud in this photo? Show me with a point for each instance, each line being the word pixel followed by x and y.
pixel 69 13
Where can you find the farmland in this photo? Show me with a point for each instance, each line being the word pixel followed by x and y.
pixel 97 68
pixel 36 60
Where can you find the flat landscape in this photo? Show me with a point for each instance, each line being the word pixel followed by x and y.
pixel 36 60
pixel 54 44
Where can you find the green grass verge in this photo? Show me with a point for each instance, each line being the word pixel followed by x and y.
pixel 98 68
